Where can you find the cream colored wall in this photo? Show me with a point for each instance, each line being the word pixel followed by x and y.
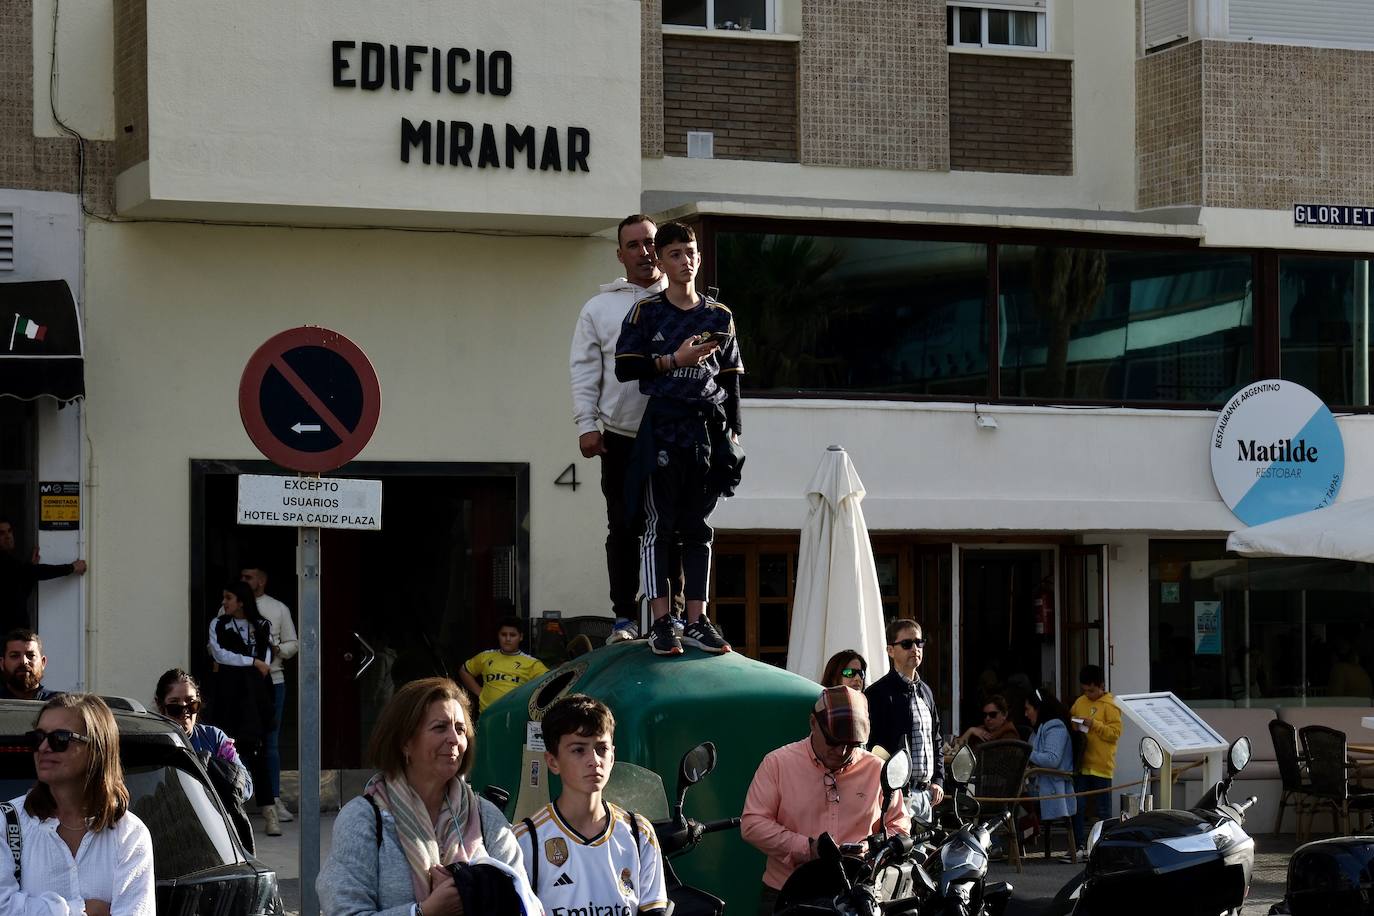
pixel 469 336
pixel 85 66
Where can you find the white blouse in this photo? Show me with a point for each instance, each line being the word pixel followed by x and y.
pixel 115 865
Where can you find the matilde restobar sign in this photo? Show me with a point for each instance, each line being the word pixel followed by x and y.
pixel 1276 451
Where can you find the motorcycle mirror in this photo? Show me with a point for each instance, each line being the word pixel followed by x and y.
pixel 1239 755
pixel 1151 754
pixel 962 766
pixel 896 772
pixel 695 766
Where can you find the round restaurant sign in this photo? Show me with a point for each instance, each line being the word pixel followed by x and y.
pixel 1276 451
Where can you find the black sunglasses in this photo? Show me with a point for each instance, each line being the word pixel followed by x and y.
pixel 831 739
pixel 59 739
pixel 853 672
pixel 990 714
pixel 177 710
pixel 908 643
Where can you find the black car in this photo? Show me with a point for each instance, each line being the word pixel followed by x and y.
pixel 200 865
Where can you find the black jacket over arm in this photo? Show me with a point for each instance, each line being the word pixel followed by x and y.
pixel 889 716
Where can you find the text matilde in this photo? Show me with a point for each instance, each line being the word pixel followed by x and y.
pixel 372 66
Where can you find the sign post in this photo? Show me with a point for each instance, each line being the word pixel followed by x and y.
pixel 1178 730
pixel 309 400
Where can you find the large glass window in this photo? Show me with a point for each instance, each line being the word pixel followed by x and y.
pixel 983 27
pixel 719 14
pixel 1102 325
pixel 1324 327
pixel 877 316
pixel 1228 631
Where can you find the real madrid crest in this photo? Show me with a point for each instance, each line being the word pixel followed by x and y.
pixel 556 850
pixel 625 880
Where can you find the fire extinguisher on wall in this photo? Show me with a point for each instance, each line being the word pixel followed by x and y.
pixel 1044 608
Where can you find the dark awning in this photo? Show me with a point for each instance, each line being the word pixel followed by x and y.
pixel 40 341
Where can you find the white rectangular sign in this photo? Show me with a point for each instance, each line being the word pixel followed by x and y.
pixel 1171 722
pixel 319 502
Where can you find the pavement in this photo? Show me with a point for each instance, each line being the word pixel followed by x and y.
pixel 1034 887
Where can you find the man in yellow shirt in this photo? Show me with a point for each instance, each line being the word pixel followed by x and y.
pixel 1097 717
pixel 494 673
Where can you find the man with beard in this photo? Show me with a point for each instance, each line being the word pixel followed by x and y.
pixel 22 667
pixel 18 577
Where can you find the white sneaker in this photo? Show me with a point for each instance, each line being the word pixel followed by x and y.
pixel 270 820
pixel 283 815
pixel 623 631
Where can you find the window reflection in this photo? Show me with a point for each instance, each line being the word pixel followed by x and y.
pixel 878 316
pixel 1324 327
pixel 1101 325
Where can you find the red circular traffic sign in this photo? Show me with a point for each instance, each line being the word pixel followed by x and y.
pixel 309 399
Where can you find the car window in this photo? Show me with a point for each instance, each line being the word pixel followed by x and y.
pixel 189 833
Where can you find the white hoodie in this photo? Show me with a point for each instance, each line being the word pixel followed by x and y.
pixel 597 393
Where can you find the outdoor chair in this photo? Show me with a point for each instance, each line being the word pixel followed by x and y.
pixel 1046 831
pixel 1296 789
pixel 1328 772
pixel 1001 773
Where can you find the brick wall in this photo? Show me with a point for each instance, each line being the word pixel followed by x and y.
pixel 651 78
pixel 1168 127
pixel 30 163
pixel 874 84
pixel 1010 114
pixel 745 92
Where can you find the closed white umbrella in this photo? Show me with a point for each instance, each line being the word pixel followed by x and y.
pixel 838 605
pixel 1344 531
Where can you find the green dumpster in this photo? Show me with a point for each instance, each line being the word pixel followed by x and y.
pixel 663 707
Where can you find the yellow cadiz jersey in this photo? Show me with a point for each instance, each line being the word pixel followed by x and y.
pixel 499 673
pixel 604 875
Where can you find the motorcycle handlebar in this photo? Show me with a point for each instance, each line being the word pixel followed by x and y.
pixel 725 823
pixel 1245 805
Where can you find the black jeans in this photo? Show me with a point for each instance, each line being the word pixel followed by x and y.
pixel 622 537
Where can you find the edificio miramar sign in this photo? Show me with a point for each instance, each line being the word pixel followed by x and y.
pixel 1276 451
pixel 371 67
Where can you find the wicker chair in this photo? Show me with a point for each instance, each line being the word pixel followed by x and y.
pixel 1329 772
pixel 1296 790
pixel 1001 773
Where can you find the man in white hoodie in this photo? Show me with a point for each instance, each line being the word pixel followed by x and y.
pixel 607 411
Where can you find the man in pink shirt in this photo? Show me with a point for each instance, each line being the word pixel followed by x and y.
pixel 824 783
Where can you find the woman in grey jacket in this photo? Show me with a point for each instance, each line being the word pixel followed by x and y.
pixel 1051 749
pixel 417 816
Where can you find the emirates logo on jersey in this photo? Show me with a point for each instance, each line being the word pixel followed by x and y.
pixel 556 851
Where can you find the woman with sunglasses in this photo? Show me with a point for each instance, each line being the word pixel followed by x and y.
pixel 995 726
pixel 1051 749
pixel 846 668
pixel 241 644
pixel 82 850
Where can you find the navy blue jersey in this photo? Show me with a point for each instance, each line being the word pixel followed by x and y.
pixel 655 327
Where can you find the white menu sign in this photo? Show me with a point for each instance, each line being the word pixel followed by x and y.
pixel 1171 722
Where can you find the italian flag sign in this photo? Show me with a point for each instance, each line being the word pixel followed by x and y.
pixel 28 328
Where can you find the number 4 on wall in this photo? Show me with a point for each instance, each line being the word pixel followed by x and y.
pixel 568 478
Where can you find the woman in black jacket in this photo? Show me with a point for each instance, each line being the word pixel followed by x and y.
pixel 241 644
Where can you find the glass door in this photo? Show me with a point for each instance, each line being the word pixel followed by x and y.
pixel 1086 638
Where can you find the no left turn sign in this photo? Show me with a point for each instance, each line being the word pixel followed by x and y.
pixel 309 399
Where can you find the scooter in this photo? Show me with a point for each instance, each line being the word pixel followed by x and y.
pixel 1191 862
pixel 880 875
pixel 961 887
pixel 680 835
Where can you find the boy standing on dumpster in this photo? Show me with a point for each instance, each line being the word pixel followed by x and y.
pixel 1097 717
pixel 680 346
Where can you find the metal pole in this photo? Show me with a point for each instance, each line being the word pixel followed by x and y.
pixel 1359 365
pixel 308 557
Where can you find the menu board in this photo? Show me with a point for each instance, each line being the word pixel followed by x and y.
pixel 1169 721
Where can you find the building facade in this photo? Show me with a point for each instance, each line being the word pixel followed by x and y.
pixel 1075 219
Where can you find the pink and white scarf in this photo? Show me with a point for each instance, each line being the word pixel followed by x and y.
pixel 456 837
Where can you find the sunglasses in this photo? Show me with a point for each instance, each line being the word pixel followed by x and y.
pixel 177 710
pixel 991 713
pixel 832 788
pixel 832 740
pixel 59 739
pixel 853 672
pixel 907 644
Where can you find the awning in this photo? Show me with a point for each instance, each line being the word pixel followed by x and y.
pixel 40 342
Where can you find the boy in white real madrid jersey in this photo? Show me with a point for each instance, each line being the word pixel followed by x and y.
pixel 584 855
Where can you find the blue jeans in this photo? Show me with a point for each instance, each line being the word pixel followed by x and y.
pixel 273 753
pixel 1102 804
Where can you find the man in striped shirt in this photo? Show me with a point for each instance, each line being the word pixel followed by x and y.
pixel 904 715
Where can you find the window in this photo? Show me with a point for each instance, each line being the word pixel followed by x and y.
pixel 734 15
pixel 995 27
pixel 882 316
pixel 1126 326
pixel 1324 327
pixel 1234 632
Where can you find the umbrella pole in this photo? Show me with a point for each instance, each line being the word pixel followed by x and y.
pixel 1302 622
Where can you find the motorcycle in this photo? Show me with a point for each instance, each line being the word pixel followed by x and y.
pixel 880 875
pixel 1198 860
pixel 679 835
pixel 960 884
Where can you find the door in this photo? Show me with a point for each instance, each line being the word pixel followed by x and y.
pixel 1086 638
